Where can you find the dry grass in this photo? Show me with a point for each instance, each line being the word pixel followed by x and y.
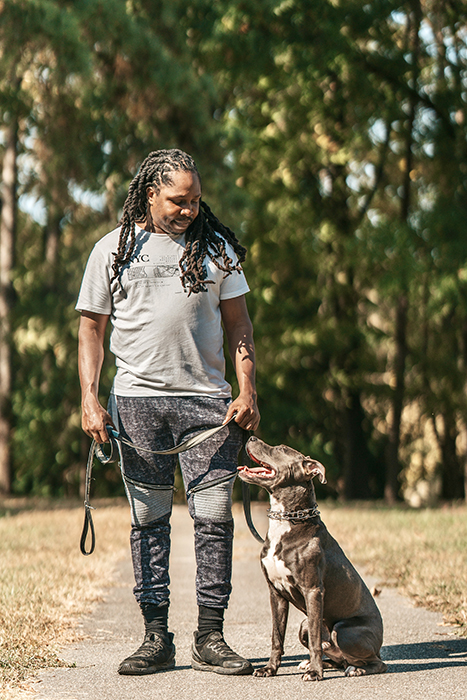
pixel 421 552
pixel 46 584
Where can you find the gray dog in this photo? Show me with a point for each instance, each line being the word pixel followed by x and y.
pixel 305 566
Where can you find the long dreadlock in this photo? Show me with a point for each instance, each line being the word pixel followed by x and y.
pixel 205 236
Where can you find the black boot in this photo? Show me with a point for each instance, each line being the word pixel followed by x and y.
pixel 157 652
pixel 210 651
pixel 214 655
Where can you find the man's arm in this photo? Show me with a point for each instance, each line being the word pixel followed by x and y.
pixel 90 358
pixel 239 332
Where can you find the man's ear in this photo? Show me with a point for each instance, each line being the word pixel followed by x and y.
pixel 314 468
pixel 151 193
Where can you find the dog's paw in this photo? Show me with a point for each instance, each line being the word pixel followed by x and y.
pixel 265 672
pixel 312 676
pixel 354 671
pixel 310 672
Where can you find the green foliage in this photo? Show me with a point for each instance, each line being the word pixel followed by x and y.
pixel 334 122
pixel 331 136
pixel 100 85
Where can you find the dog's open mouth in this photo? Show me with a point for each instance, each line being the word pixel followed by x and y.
pixel 263 470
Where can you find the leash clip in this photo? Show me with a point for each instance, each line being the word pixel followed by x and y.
pixel 112 432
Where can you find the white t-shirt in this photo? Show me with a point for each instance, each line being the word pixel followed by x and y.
pixel 165 342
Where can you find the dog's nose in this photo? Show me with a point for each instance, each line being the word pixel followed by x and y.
pixel 249 442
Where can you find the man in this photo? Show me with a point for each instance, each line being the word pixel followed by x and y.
pixel 168 278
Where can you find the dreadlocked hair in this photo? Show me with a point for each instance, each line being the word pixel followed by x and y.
pixel 202 239
pixel 205 237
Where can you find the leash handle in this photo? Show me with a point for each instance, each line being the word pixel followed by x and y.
pixel 88 525
pixel 96 450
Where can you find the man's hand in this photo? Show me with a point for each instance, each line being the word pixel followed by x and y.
pixel 248 416
pixel 94 419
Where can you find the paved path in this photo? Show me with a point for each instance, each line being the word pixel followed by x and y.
pixel 426 661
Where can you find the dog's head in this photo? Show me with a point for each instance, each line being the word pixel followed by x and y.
pixel 277 467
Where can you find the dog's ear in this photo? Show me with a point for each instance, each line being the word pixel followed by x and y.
pixel 314 468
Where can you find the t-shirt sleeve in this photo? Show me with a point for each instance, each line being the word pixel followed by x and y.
pixel 235 284
pixel 95 295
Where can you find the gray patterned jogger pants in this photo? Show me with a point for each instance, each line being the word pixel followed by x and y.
pixel 158 423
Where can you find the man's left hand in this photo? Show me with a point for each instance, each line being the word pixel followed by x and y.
pixel 248 416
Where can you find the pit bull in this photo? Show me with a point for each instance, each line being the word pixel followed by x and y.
pixel 304 565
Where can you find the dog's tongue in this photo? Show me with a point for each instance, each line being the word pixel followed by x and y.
pixel 260 471
pixel 253 470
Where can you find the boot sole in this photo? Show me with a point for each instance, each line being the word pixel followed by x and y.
pixel 202 666
pixel 129 671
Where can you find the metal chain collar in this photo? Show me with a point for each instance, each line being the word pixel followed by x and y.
pixel 306 514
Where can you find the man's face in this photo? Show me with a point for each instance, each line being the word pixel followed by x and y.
pixel 175 206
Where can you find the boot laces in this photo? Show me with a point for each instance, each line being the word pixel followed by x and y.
pixel 219 646
pixel 152 645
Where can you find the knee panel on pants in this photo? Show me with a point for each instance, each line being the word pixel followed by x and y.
pixel 148 502
pixel 213 502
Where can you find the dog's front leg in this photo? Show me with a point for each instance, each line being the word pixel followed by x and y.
pixel 314 610
pixel 280 613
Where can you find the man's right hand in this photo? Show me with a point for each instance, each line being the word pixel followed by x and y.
pixel 95 419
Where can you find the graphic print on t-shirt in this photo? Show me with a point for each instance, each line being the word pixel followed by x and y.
pixel 165 269
pixel 137 273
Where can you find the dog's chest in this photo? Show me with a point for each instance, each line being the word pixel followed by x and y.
pixel 277 572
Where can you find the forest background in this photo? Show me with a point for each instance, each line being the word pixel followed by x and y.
pixel 331 136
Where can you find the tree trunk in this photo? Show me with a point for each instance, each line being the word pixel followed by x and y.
pixel 465 479
pixel 52 242
pixel 452 469
pixel 355 450
pixel 463 430
pixel 7 246
pixel 391 488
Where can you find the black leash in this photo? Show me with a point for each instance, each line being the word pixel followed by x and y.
pixel 246 494
pixel 96 450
